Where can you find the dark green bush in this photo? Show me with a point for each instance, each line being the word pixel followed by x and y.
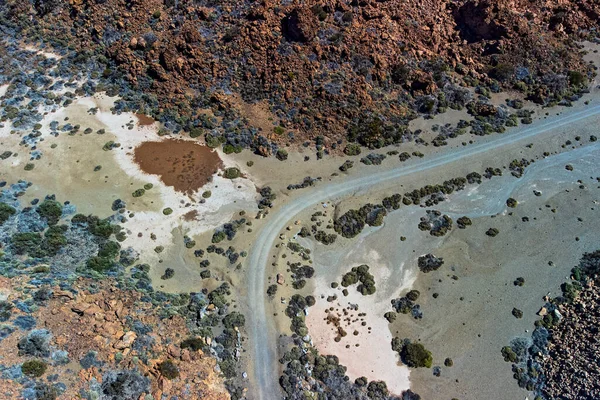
pixel 232 173
pixel 194 343
pixel 168 369
pixel 34 368
pixel 50 210
pixel 5 212
pixel 415 355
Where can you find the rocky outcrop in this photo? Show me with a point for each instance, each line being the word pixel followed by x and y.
pixel 323 67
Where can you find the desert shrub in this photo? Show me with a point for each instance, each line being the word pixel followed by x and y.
pixel 463 222
pixel 194 343
pixel 228 368
pixel 512 203
pixel 44 391
pixel 346 165
pixel 415 355
pixel 218 237
pixel 492 232
pixel 576 78
pixel 519 281
pixel 429 262
pixel 100 264
pixel 23 242
pixel 109 249
pixel 232 173
pixel 517 313
pixel 35 344
pixel 272 290
pixel 119 385
pixel 168 369
pixel 352 149
pixel 360 274
pixel 281 155
pixel 413 295
pixel 51 210
pixel 169 273
pixel 377 390
pixel 6 212
pixel 508 354
pixel 234 320
pixel 34 368
pixel 448 362
pixel 325 238
pixel 390 316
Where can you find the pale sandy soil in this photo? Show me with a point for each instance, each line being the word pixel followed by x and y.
pixel 471 319
pixel 367 354
pixel 68 171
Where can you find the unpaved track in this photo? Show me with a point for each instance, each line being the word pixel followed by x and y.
pixel 262 333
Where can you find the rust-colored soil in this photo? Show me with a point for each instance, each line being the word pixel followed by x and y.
pixel 144 120
pixel 185 165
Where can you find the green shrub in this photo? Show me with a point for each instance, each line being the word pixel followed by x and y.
pixel 232 173
pixel 512 203
pixel 34 368
pixel 206 194
pixel 492 232
pixel 195 132
pixel 168 211
pixel 168 369
pixel 5 212
pixel 415 355
pixel 272 290
pixel 218 237
pixel 109 249
pixel 138 193
pixel 234 320
pixel 194 343
pixel 169 273
pixel 100 264
pixel 23 242
pixel 279 130
pixel 352 149
pixel 508 354
pixel 576 78
pixel 281 155
pixel 228 368
pixel 51 210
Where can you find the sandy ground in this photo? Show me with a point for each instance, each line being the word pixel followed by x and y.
pixel 471 319
pixel 67 168
pixel 367 353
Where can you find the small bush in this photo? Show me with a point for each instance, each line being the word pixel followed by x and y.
pixel 281 155
pixel 232 173
pixel 194 343
pixel 415 355
pixel 6 212
pixel 352 149
pixel 169 273
pixel 51 210
pixel 34 368
pixel 168 369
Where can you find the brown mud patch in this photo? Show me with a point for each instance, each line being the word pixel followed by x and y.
pixel 144 120
pixel 184 165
